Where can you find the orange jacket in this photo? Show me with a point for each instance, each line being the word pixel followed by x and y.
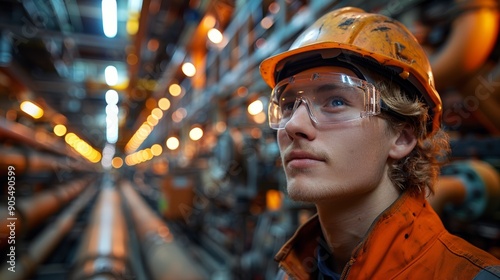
pixel 407 241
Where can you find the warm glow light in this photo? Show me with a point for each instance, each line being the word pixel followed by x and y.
pixel 82 147
pixel 70 138
pixel 164 103
pixel 274 8
pixel 152 121
pixel 111 75
pixel 157 113
pixel 188 69
pixel 196 133
pixel 260 43
pixel 179 115
pixel 274 200
pixel 117 162
pixel 260 118
pixel 255 107
pixel 132 25
pixel 156 150
pixel 175 89
pixel 32 109
pixel 220 126
pixel 109 18
pixel 172 143
pixel 60 130
pixel 153 45
pixel 215 36
pixel 132 59
pixel 266 22
pixel 209 21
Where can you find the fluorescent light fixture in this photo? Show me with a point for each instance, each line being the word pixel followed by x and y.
pixel 111 75
pixel 134 5
pixel 107 155
pixel 109 18
pixel 112 122
pixel 32 109
pixel 111 97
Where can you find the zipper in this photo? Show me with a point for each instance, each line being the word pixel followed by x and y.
pixel 347 268
pixel 287 272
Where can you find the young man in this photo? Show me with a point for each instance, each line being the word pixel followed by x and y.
pixel 358 126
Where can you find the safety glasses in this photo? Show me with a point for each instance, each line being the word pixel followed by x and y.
pixel 329 98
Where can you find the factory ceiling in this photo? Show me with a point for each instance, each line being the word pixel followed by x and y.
pixel 55 53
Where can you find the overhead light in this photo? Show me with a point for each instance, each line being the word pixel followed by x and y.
pixel 112 111
pixel 134 5
pixel 156 149
pixel 175 89
pixel 60 130
pixel 117 162
pixel 195 133
pixel 255 107
pixel 267 22
pixel 32 109
pixel 172 143
pixel 82 147
pixel 111 97
pixel 111 75
pixel 164 103
pixel 188 69
pixel 107 156
pixel 209 21
pixel 215 35
pixel 109 18
pixel 157 113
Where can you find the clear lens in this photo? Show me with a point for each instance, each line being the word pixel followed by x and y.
pixel 329 98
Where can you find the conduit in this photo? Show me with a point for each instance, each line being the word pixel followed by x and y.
pixel 32 211
pixel 33 162
pixel 164 257
pixel 46 241
pixel 103 251
pixel 467 190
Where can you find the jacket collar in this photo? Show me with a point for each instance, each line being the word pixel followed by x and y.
pixel 395 238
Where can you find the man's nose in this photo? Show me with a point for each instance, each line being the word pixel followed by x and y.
pixel 300 112
pixel 300 124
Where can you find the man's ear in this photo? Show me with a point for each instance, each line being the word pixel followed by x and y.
pixel 403 143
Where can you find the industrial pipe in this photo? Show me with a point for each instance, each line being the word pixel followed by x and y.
pixel 164 257
pixel 103 252
pixel 45 242
pixel 32 211
pixel 463 63
pixel 31 161
pixel 467 190
pixel 470 42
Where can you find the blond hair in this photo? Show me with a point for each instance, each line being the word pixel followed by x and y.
pixel 419 169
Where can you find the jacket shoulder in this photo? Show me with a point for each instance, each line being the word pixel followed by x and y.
pixel 487 265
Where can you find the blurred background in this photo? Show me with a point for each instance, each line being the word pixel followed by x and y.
pixel 134 142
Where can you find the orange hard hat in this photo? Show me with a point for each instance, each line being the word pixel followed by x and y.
pixel 372 41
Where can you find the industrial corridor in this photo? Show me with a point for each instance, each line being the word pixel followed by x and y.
pixel 139 140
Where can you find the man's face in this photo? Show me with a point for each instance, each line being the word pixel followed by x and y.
pixel 342 160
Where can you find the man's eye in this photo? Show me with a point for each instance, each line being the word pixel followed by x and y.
pixel 336 102
pixel 287 106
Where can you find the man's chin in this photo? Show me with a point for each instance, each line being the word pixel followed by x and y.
pixel 304 196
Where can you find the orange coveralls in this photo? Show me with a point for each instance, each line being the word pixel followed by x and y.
pixel 407 241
